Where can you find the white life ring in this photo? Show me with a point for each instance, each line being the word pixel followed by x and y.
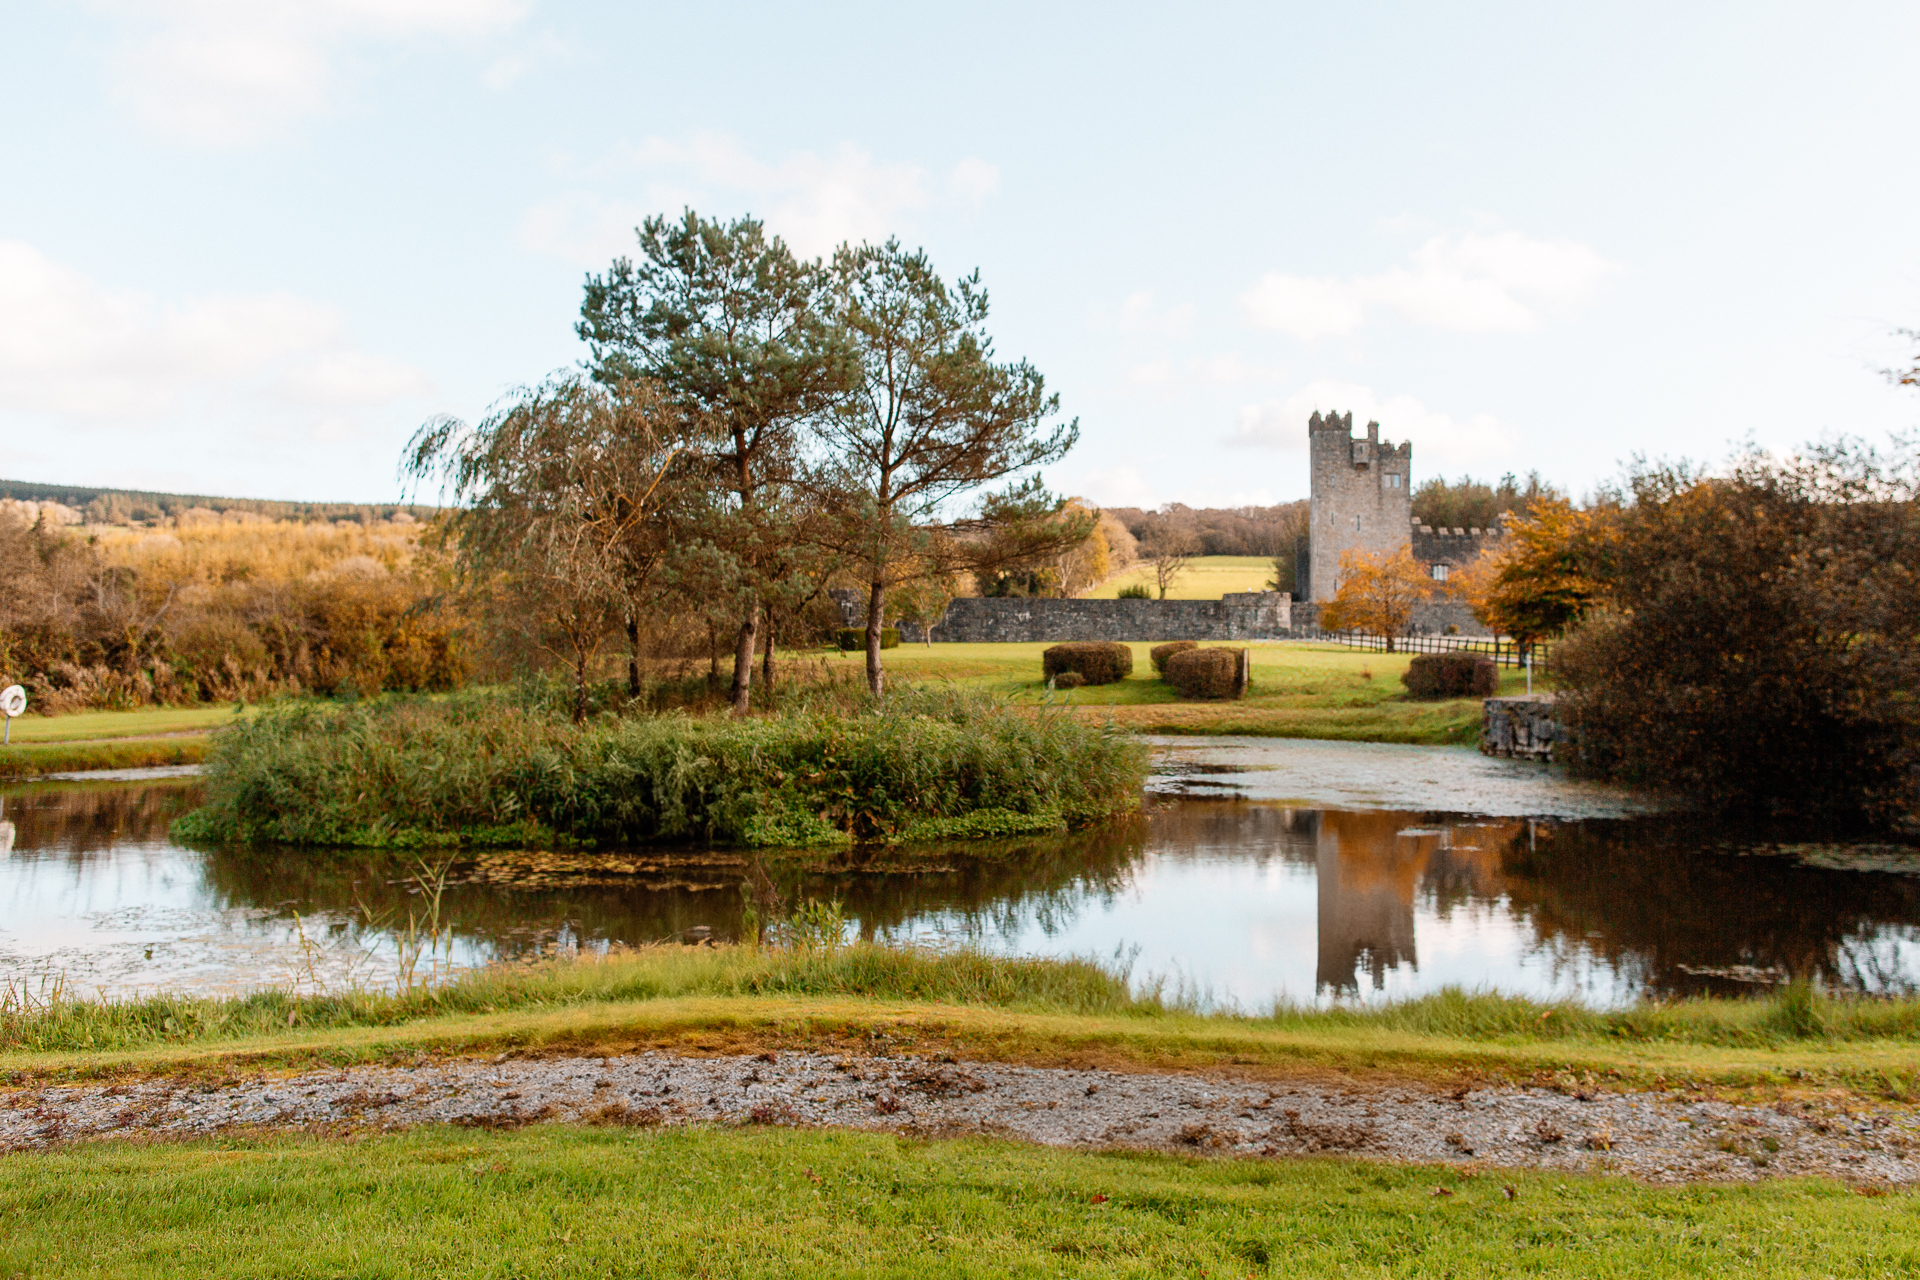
pixel 13 701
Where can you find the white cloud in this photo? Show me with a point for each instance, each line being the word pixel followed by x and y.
pixel 1140 314
pixel 1115 487
pixel 75 353
pixel 1497 282
pixel 1441 442
pixel 814 202
pixel 228 71
pixel 972 181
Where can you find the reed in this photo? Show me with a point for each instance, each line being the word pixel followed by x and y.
pixel 488 768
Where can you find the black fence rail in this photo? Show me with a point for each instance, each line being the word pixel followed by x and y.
pixel 1504 652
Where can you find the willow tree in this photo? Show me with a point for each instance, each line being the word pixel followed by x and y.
pixel 727 321
pixel 559 498
pixel 932 417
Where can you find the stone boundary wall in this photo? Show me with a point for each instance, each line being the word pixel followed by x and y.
pixel 1248 615
pixel 1244 615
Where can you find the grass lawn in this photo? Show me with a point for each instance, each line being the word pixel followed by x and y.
pixel 93 725
pixel 1299 690
pixel 558 1200
pixel 554 1200
pixel 112 739
pixel 1204 578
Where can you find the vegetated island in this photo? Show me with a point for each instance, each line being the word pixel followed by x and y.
pixel 505 768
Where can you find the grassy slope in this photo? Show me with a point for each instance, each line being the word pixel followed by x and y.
pixel 710 999
pixel 1204 578
pixel 566 1201
pixel 97 725
pixel 1299 691
pixel 111 739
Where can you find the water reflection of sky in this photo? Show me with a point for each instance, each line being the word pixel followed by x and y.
pixel 1234 902
pixel 1231 931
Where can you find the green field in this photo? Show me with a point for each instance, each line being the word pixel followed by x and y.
pixel 1299 690
pixel 1204 578
pixel 555 1200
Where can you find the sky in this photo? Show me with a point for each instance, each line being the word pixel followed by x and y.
pixel 248 246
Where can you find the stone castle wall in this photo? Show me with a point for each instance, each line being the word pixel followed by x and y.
pixel 1361 498
pixel 1249 615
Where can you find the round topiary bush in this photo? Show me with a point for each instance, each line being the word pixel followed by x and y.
pixel 1159 654
pixel 1451 675
pixel 1100 661
pixel 854 639
pixel 1210 673
pixel 1069 680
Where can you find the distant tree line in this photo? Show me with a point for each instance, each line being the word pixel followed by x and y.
pixel 137 506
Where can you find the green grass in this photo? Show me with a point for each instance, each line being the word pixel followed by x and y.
pixel 554 1200
pixel 1028 1010
pixel 1299 691
pixel 1204 578
pixel 94 725
pixel 34 759
pixel 113 739
pixel 487 768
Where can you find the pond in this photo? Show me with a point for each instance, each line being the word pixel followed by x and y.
pixel 1257 869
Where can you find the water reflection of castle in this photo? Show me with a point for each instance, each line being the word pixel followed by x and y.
pixel 1369 867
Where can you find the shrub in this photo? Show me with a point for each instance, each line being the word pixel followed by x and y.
pixel 1760 647
pixel 1100 661
pixel 1210 673
pixel 1138 591
pixel 854 639
pixel 1451 675
pixel 1159 654
pixel 1069 680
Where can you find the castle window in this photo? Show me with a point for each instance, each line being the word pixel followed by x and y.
pixel 1439 572
pixel 1394 482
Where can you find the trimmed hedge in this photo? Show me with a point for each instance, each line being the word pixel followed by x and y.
pixel 1451 675
pixel 1069 680
pixel 1210 673
pixel 1100 661
pixel 1159 654
pixel 854 639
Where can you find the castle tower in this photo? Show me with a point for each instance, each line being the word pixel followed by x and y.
pixel 1361 498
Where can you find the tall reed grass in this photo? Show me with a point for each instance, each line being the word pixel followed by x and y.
pixel 488 768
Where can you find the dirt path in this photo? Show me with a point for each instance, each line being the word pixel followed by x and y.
pixel 1656 1137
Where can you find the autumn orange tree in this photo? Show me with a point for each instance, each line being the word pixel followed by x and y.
pixel 1546 578
pixel 1376 595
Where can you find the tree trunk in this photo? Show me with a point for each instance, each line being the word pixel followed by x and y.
pixel 579 683
pixel 876 612
pixel 743 660
pixel 766 663
pixel 633 656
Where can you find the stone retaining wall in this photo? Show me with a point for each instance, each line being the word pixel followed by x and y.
pixel 1521 728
